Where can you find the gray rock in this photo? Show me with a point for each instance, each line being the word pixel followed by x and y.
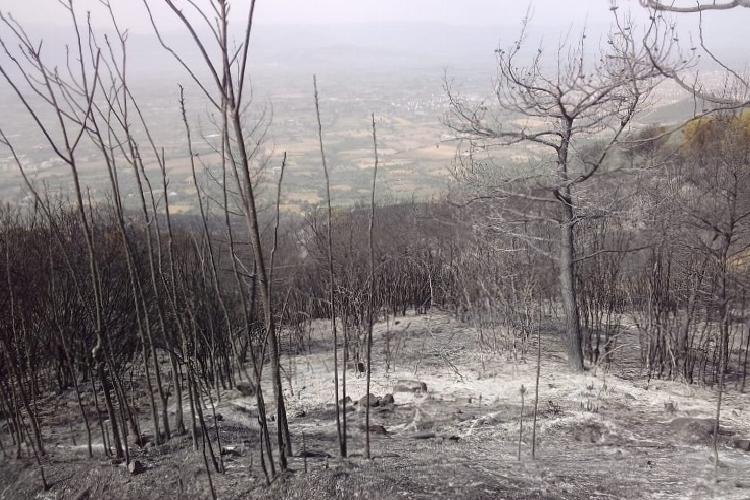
pixel 742 444
pixel 423 435
pixel 387 400
pixel 370 400
pixel 247 389
pixel 695 430
pixel 588 433
pixel 230 451
pixel 315 454
pixel 135 467
pixel 376 429
pixel 410 386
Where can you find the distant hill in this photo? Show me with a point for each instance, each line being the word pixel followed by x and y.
pixel 672 113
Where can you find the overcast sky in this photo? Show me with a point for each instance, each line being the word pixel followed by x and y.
pixel 459 12
pixel 477 27
pixel 563 13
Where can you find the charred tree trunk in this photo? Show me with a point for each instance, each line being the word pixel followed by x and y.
pixel 567 258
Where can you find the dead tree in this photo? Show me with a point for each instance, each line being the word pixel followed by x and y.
pixel 371 300
pixel 717 207
pixel 662 35
pixel 332 278
pixel 693 7
pixel 71 105
pixel 228 77
pixel 110 130
pixel 548 116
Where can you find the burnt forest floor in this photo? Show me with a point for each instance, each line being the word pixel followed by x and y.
pixel 605 433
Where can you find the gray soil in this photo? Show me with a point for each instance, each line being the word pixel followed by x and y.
pixel 602 434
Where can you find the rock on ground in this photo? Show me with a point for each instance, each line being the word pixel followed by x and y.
pixel 410 386
pixel 695 430
pixel 369 400
pixel 376 429
pixel 135 467
pixel 247 389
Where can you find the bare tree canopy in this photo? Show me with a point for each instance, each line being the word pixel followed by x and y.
pixel 582 101
pixel 699 6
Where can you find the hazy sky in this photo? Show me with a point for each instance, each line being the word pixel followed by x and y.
pixel 461 12
pixel 562 13
pixel 477 26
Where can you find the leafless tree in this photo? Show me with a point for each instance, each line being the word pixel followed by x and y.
pixel 332 280
pixel 71 103
pixel 663 35
pixel 549 112
pixel 693 7
pixel 371 303
pixel 718 208
pixel 228 77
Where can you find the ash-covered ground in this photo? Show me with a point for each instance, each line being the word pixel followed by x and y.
pixel 607 433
